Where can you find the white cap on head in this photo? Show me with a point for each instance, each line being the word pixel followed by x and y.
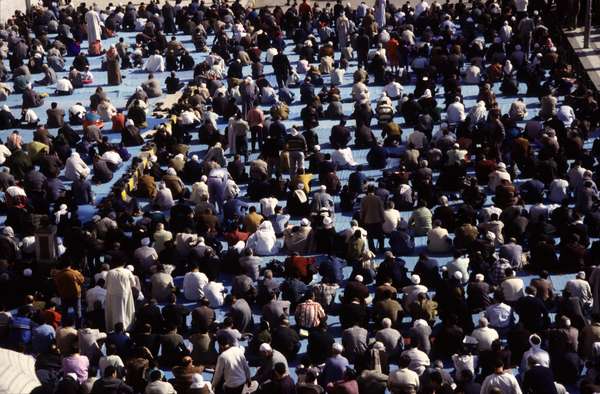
pixel 415 279
pixel 317 148
pixel 195 157
pixel 130 268
pixel 323 188
pixel 203 178
pixel 580 275
pixel 145 241
pixel 458 275
pixel 171 171
pixel 359 278
pixel 501 166
pixel 304 222
pixel 337 347
pixel 27 272
pixel 479 277
pixel 265 347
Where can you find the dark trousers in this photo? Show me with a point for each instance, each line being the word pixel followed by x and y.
pixel 374 232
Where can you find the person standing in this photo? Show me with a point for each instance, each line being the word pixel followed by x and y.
pixel 113 66
pixel 281 67
pixel 372 216
pixel 119 296
pixel 232 370
pixel 68 285
pixel 94 31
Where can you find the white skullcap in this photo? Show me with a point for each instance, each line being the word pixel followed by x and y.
pixel 458 275
pixel 379 346
pixel 359 278
pixel 145 241
pixel 63 207
pixel 317 148
pixel 129 122
pixel 415 279
pixel 153 158
pixel 27 272
pixel 195 157
pixel 490 236
pixel 265 347
pixel 171 171
pixel 479 277
pixel 323 188
pixel 203 178
pixel 300 186
pixel 501 166
pixel 337 347
pixel 304 222
pixel 130 268
pixel 580 275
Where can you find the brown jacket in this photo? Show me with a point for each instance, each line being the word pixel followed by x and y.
pixel 68 283
pixel 371 209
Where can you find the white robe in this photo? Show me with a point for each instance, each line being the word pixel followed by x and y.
pixel 343 157
pixel 119 302
pixel 75 168
pixel 263 241
pixel 94 31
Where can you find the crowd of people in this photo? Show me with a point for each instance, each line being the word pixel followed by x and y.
pixel 235 269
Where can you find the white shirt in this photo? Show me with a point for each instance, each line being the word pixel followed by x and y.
pixel 512 288
pixel 267 206
pixel 580 288
pixel 485 336
pixel 391 220
pixel 420 8
pixel 214 293
pixel 337 76
pixel 94 294
pixel 188 117
pixel 521 5
pixel 78 110
pixel 393 89
pixel 31 116
pixel 193 285
pixel 64 85
pixel 460 264
pixel 232 368
pixel 540 355
pixel 112 157
pixel 456 112
pixel 155 63
pixel 558 190
pixel 418 360
pixel 506 382
pixel 4 153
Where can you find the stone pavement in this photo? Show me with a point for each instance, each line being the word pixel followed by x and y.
pixel 589 58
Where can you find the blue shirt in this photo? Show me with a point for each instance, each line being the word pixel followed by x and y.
pixel 331 270
pixel 334 369
pixel 42 338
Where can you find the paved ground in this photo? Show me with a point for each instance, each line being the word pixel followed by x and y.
pixel 590 58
